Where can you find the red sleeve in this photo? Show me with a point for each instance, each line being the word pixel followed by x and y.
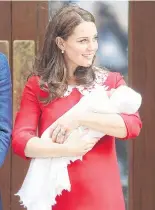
pixel 133 122
pixel 27 118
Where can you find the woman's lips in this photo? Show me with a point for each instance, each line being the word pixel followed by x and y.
pixel 89 56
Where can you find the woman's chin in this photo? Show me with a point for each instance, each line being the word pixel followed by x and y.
pixel 88 64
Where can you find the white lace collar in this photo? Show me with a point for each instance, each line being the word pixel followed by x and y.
pixel 101 76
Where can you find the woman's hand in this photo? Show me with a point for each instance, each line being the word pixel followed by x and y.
pixel 60 131
pixel 78 146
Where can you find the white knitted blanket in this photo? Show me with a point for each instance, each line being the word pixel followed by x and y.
pixel 48 177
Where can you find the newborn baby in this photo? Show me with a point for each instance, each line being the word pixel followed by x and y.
pixel 47 178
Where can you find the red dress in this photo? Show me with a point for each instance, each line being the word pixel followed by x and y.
pixel 95 181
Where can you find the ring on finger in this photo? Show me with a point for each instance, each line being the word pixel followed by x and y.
pixel 63 133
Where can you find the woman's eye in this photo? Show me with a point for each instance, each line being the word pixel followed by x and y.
pixel 83 41
pixel 86 40
pixel 96 38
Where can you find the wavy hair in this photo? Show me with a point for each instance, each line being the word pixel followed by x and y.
pixel 50 65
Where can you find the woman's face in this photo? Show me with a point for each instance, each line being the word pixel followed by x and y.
pixel 80 48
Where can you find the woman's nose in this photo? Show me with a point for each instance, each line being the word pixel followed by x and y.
pixel 92 46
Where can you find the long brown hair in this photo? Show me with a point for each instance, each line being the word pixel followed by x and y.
pixel 50 65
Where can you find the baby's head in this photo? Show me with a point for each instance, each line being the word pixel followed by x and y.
pixel 125 99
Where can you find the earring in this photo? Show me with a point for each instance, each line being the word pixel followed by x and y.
pixel 62 51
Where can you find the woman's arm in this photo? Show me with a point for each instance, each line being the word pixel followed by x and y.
pixel 37 148
pixel 74 146
pixel 123 126
pixel 110 124
pixel 27 118
pixel 25 141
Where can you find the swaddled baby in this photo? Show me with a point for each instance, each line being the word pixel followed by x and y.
pixel 47 178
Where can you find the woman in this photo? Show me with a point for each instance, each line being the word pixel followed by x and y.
pixel 64 72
